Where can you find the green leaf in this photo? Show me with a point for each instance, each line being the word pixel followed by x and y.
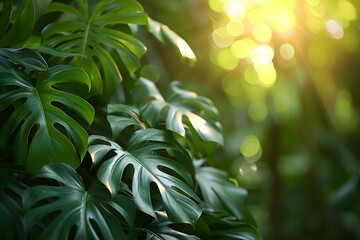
pixel 11 224
pixel 182 110
pixel 22 27
pixel 28 58
pixel 220 194
pixel 44 132
pixel 121 116
pixel 5 16
pixel 163 33
pixel 224 226
pixel 93 35
pixel 161 229
pixel 54 52
pixel 86 213
pixel 172 179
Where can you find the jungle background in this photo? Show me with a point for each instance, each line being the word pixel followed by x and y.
pixel 285 77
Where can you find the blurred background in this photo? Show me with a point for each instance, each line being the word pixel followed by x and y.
pixel 285 76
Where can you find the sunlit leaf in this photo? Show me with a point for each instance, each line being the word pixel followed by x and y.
pixel 172 179
pixel 75 211
pixel 163 33
pixel 182 110
pixel 41 126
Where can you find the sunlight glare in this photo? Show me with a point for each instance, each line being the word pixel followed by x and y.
pixel 266 74
pixel 261 55
pixel 262 33
pixel 283 20
pixel 235 10
pixel 255 16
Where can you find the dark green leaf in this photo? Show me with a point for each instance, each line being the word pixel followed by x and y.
pixel 220 194
pixel 224 226
pixel 28 58
pixel 172 179
pixel 22 28
pixel 11 224
pixel 161 230
pixel 5 16
pixel 54 52
pixel 87 213
pixel 122 116
pixel 43 132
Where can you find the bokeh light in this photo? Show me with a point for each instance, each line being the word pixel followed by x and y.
pixel 261 55
pixel 251 148
pixel 235 10
pixel 287 68
pixel 334 28
pixel 287 51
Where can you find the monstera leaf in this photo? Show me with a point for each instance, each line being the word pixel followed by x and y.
pixel 161 230
pixel 172 179
pixel 22 58
pixel 164 34
pixel 87 213
pixel 214 185
pixel 121 116
pixel 224 226
pixel 11 190
pixel 40 124
pixel 15 31
pixel 183 110
pixel 91 33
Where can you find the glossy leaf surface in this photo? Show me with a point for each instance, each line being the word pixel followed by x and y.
pixel 171 178
pixel 220 194
pixel 181 111
pixel 42 129
pixel 225 226
pixel 87 213
pixel 161 230
pixel 164 34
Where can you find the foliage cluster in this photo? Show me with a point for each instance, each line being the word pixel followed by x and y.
pixel 91 150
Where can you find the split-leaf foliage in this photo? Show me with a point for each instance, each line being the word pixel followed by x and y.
pixel 90 150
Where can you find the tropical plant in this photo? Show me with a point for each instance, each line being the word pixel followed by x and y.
pixel 88 148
